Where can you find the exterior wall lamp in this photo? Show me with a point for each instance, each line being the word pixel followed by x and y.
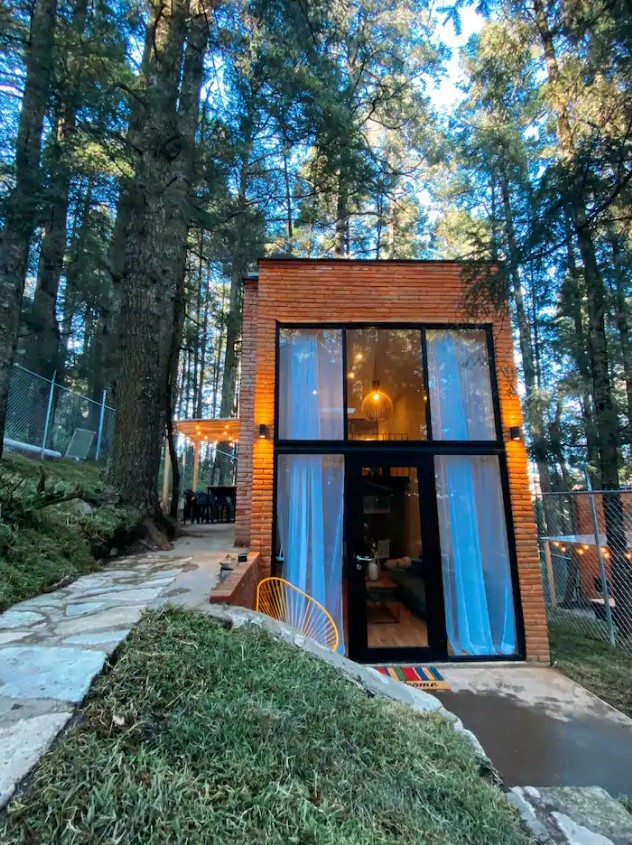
pixel 515 432
pixel 264 431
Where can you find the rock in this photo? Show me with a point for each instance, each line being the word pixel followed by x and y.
pixel 80 507
pixel 568 815
pixel 36 671
pixel 21 746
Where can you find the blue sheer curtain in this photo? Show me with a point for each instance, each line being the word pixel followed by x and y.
pixel 477 586
pixel 479 608
pixel 310 488
pixel 459 385
pixel 310 385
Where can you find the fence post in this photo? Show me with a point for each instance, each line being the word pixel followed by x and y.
pixel 100 433
pixel 602 565
pixel 49 410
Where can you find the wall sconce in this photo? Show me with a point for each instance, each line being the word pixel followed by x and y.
pixel 515 432
pixel 264 431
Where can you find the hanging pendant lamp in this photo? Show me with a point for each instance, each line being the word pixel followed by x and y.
pixel 377 405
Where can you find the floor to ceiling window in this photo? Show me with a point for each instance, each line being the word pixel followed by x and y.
pixel 423 398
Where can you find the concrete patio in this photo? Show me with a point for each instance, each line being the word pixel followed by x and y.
pixel 540 728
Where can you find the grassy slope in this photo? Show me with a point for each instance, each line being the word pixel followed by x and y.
pixel 47 545
pixel 593 664
pixel 203 735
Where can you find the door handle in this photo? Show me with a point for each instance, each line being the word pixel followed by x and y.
pixel 361 561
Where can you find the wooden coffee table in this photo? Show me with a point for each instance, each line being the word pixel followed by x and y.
pixel 380 596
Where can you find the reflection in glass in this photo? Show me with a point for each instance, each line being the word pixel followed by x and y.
pixel 395 586
pixel 459 385
pixel 310 384
pixel 385 386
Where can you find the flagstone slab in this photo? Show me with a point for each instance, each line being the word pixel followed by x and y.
pixel 97 638
pixel 22 744
pixel 13 636
pixel 81 608
pixel 19 619
pixel 37 671
pixel 114 617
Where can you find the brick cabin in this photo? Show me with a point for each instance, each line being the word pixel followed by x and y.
pixel 345 293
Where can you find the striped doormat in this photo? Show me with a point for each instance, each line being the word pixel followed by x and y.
pixel 425 677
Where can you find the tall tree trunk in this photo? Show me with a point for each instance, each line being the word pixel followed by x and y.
pixel 118 241
pixel 199 399
pixel 573 292
pixel 533 400
pixel 341 237
pixel 149 285
pixel 223 465
pixel 288 204
pixel 23 203
pixel 606 419
pixel 43 348
pixel 620 274
pixel 76 249
pixel 44 352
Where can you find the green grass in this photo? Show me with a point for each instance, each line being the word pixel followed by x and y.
pixel 205 735
pixel 592 663
pixel 39 546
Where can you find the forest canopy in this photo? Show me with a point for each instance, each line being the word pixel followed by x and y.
pixel 151 150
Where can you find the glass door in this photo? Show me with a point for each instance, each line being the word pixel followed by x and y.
pixel 394 598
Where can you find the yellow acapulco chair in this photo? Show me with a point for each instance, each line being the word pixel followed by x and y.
pixel 281 600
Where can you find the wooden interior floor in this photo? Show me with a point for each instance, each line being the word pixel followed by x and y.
pixel 409 632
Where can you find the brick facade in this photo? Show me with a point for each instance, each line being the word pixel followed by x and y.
pixel 295 291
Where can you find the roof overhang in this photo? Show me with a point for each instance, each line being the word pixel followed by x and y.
pixel 209 431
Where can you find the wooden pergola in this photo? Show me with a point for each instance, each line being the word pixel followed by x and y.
pixel 198 432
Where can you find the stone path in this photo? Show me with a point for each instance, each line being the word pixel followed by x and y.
pixel 52 646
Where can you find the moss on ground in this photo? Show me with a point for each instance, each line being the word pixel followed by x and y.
pixel 205 735
pixel 56 519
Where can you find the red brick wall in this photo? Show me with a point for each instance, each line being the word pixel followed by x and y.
pixel 348 291
pixel 246 415
pixel 240 586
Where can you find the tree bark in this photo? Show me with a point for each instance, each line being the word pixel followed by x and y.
pixel 341 237
pixel 533 401
pixel 606 420
pixel 23 203
pixel 44 352
pixel 151 284
pixel 622 321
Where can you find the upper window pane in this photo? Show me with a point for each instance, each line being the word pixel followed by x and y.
pixel 385 384
pixel 459 385
pixel 310 384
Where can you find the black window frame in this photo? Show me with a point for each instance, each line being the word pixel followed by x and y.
pixel 412 447
pixel 497 442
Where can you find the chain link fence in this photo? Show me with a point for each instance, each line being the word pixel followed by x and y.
pixel 45 419
pixel 586 557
